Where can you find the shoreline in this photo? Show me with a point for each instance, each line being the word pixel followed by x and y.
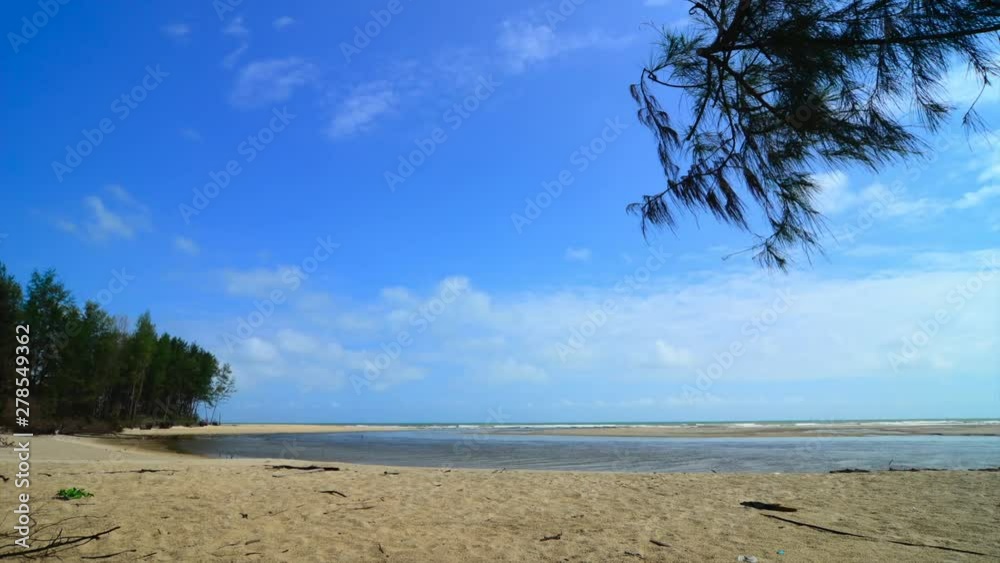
pixel 701 430
pixel 161 506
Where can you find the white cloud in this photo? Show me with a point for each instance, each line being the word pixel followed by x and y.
pixel 235 55
pixel 271 81
pixel 177 31
pixel 359 111
pixel 236 28
pixel 673 356
pixel 186 245
pixel 283 22
pixel 835 195
pixel 578 254
pixel 794 327
pixel 523 43
pixel 259 282
pixel 116 215
pixel 975 198
pixel 191 134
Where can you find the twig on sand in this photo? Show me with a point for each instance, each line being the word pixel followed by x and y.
pixel 390 473
pixel 304 467
pixel 870 538
pixel 334 492
pixel 634 554
pixel 59 542
pixel 550 538
pixel 659 543
pixel 108 556
pixel 382 550
pixel 767 506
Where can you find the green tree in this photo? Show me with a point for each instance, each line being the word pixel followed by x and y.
pixel 53 319
pixel 777 87
pixel 11 313
pixel 139 354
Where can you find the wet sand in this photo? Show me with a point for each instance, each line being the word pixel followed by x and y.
pixel 197 509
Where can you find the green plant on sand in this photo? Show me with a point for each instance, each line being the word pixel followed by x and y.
pixel 73 493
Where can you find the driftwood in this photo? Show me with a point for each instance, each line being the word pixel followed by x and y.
pixel 870 538
pixel 304 467
pixel 659 543
pixel 58 542
pixel 550 538
pixel 634 554
pixel 382 550
pixel 767 506
pixel 108 556
pixel 334 492
pixel 390 473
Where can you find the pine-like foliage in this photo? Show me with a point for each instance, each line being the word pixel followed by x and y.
pixel 778 88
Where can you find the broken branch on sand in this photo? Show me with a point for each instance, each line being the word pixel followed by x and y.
pixel 334 492
pixel 550 538
pixel 870 538
pixel 304 467
pixel 67 542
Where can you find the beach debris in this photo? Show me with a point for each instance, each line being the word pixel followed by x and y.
pixel 550 538
pixel 870 538
pixel 5 478
pixel 780 552
pixel 334 492
pixel 390 473
pixel 634 554
pixel 747 559
pixel 108 556
pixel 73 493
pixel 659 543
pixel 501 470
pixel 382 550
pixel 767 506
pixel 245 515
pixel 304 467
pixel 850 470
pixel 59 542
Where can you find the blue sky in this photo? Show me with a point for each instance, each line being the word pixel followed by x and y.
pixel 425 221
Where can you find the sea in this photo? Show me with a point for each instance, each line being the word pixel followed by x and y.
pixel 518 446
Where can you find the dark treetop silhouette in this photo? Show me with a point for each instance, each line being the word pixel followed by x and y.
pixel 779 87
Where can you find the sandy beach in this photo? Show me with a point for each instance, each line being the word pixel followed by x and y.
pixel 171 507
pixel 232 429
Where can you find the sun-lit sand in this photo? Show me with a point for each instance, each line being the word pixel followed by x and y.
pixel 228 429
pixel 195 509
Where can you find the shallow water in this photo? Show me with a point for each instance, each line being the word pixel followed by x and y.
pixel 483 449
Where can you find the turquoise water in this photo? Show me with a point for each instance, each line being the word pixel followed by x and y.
pixel 480 448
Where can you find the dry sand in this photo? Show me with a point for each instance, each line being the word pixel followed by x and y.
pixel 228 429
pixel 197 509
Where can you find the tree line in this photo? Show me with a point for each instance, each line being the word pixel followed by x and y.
pixel 92 371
